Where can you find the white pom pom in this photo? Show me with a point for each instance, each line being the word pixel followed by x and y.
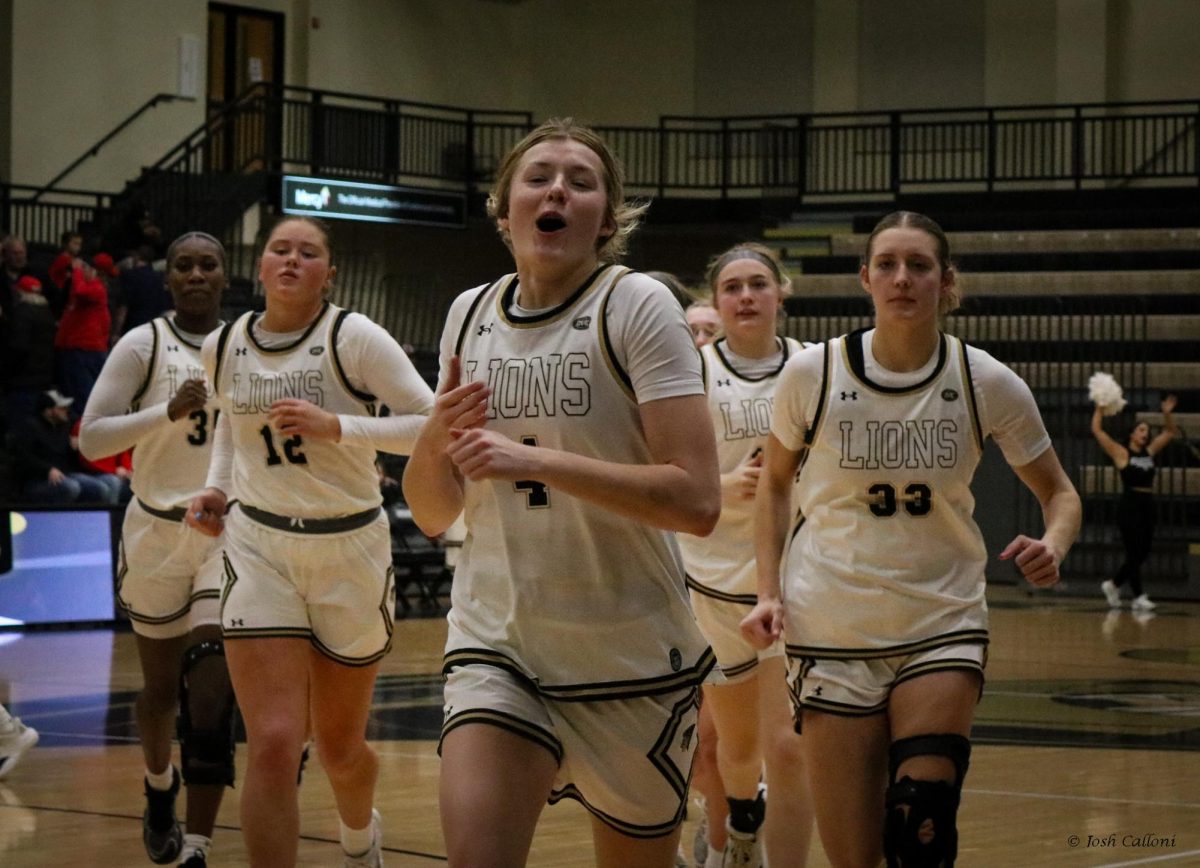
pixel 1106 393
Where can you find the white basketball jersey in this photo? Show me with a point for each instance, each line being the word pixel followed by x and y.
pixel 586 603
pixel 293 476
pixel 722 563
pixel 170 463
pixel 887 558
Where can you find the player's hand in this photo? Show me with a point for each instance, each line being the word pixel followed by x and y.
pixel 1037 561
pixel 458 406
pixel 764 625
pixel 190 397
pixel 296 416
pixel 740 483
pixel 206 512
pixel 482 454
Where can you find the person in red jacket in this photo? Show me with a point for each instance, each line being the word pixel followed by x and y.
pixel 81 344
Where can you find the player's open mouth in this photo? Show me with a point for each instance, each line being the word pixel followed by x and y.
pixel 551 223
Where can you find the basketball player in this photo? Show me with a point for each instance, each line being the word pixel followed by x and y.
pixel 309 595
pixel 571 425
pixel 152 394
pixel 741 371
pixel 886 621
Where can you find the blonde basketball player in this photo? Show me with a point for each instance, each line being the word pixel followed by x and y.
pixel 882 590
pixel 308 600
pixel 152 395
pixel 572 428
pixel 741 370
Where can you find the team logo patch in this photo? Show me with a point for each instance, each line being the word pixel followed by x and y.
pixel 676 660
pixel 949 395
pixel 581 322
pixel 315 351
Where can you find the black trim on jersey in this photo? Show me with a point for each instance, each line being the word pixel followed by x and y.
pixel 820 411
pixel 971 402
pixel 842 709
pixel 783 345
pixel 855 358
pixel 585 691
pixel 742 599
pixel 509 723
pixel 631 830
pixel 255 315
pixel 738 668
pixel 509 294
pixel 170 321
pixel 950 664
pixel 466 324
pixel 366 397
pixel 135 401
pixel 222 342
pixel 606 342
pixel 970 636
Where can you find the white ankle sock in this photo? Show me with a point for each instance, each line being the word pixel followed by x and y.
pixel 194 844
pixel 357 841
pixel 161 781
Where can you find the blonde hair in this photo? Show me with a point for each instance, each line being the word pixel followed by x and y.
pixel 624 215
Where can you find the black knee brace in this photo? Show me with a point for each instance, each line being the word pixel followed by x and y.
pixel 920 824
pixel 206 733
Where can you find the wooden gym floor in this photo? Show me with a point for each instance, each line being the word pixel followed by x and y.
pixel 1087 748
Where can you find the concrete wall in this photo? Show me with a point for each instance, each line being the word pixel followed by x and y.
pixel 78 67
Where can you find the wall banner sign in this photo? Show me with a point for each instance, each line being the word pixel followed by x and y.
pixel 375 203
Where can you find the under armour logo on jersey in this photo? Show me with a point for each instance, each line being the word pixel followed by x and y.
pixel 849 396
pixel 485 329
pixel 236 622
pixel 725 382
pixel 949 395
pixel 173 348
pixel 581 322
pixel 686 741
pixel 315 351
pixel 817 690
pixel 239 351
pixel 296 522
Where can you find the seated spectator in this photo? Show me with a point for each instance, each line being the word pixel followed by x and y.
pixel 28 355
pixel 44 464
pixel 141 292
pixel 15 258
pixel 81 343
pixel 115 471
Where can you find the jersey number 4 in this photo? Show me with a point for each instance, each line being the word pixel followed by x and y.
pixel 918 499
pixel 291 448
pixel 537 495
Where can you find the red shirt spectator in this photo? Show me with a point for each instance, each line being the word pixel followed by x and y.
pixel 85 322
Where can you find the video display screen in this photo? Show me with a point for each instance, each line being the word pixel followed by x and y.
pixel 56 566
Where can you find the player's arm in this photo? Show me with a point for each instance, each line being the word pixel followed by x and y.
pixel 1062 512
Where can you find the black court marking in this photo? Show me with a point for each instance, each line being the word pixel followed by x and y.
pixel 1130 714
pixel 137 818
pixel 404 708
pixel 1187 656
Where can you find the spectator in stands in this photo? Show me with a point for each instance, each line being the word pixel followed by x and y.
pixel 15 258
pixel 115 471
pixel 83 333
pixel 881 580
pixel 28 353
pixel 45 465
pixel 70 249
pixel 141 293
pixel 1135 508
pixel 704 321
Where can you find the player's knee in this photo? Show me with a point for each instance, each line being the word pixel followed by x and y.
pixel 920 826
pixel 207 716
